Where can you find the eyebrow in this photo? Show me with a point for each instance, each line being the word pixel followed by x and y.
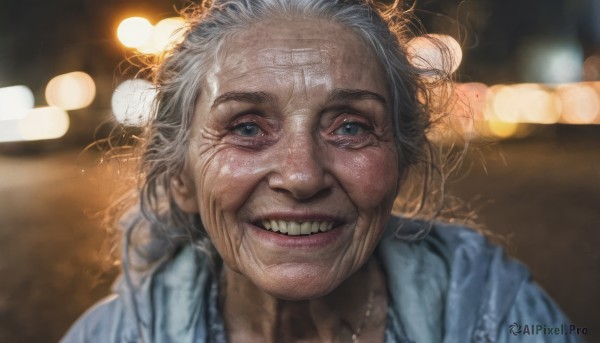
pixel 248 97
pixel 343 95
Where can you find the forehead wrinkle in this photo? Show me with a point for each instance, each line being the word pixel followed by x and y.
pixel 277 58
pixel 306 67
pixel 293 57
pixel 249 72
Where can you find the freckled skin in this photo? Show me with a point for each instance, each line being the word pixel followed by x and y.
pixel 298 158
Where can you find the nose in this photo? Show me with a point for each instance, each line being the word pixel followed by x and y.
pixel 301 168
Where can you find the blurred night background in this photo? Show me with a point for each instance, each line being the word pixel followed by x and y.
pixel 532 66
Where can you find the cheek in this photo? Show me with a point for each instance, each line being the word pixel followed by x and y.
pixel 369 176
pixel 228 178
pixel 225 180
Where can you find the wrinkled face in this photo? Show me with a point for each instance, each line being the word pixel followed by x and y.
pixel 292 163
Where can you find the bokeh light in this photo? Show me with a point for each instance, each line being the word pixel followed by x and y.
pixel 537 104
pixel 39 124
pixel 15 102
pixel 591 68
pixel 524 103
pixel 165 34
pixel 580 104
pixel 502 129
pixel 169 31
pixel 469 106
pixel 506 104
pixel 134 32
pixel 427 52
pixel 503 111
pixel 71 91
pixel 551 61
pixel 132 102
pixel 9 131
pixel 471 98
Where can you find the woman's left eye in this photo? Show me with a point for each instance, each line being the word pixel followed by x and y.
pixel 351 129
pixel 248 129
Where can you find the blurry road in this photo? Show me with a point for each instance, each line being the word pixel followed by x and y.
pixel 50 268
pixel 543 193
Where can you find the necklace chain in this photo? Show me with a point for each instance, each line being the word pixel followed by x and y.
pixel 356 334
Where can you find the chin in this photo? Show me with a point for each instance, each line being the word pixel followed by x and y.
pixel 300 284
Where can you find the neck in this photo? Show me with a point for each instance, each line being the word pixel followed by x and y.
pixel 253 315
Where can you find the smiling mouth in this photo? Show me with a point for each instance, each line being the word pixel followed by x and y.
pixel 295 228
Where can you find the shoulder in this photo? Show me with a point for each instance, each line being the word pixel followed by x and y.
pixel 166 303
pixel 466 257
pixel 458 257
pixel 480 290
pixel 104 322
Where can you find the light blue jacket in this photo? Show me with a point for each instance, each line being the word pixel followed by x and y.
pixel 451 286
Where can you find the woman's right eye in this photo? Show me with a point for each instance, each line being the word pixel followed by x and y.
pixel 248 130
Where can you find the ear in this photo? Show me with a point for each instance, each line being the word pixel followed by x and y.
pixel 184 193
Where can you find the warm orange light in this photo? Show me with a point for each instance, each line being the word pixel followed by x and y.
pixel 506 104
pixel 523 103
pixel 71 91
pixel 580 104
pixel 165 34
pixel 502 129
pixel 134 32
pixel 168 33
pixel 470 105
pixel 471 99
pixel 537 105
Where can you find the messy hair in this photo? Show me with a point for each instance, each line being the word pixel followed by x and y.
pixel 386 28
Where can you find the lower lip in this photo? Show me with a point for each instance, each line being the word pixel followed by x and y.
pixel 316 240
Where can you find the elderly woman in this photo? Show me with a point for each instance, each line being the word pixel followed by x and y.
pixel 284 131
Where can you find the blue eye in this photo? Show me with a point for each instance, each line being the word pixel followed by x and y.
pixel 248 129
pixel 350 129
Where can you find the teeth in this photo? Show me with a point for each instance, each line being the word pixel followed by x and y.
pixel 306 228
pixel 293 228
pixel 283 227
pixel 314 227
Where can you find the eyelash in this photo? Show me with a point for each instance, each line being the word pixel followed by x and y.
pixel 247 132
pixel 257 139
pixel 363 135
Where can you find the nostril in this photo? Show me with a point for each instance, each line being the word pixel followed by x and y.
pixel 301 170
pixel 305 196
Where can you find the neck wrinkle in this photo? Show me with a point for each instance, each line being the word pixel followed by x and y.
pixel 251 314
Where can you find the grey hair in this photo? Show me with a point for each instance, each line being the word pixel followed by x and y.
pixel 179 78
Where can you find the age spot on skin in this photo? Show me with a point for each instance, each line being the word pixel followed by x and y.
pixel 299 88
